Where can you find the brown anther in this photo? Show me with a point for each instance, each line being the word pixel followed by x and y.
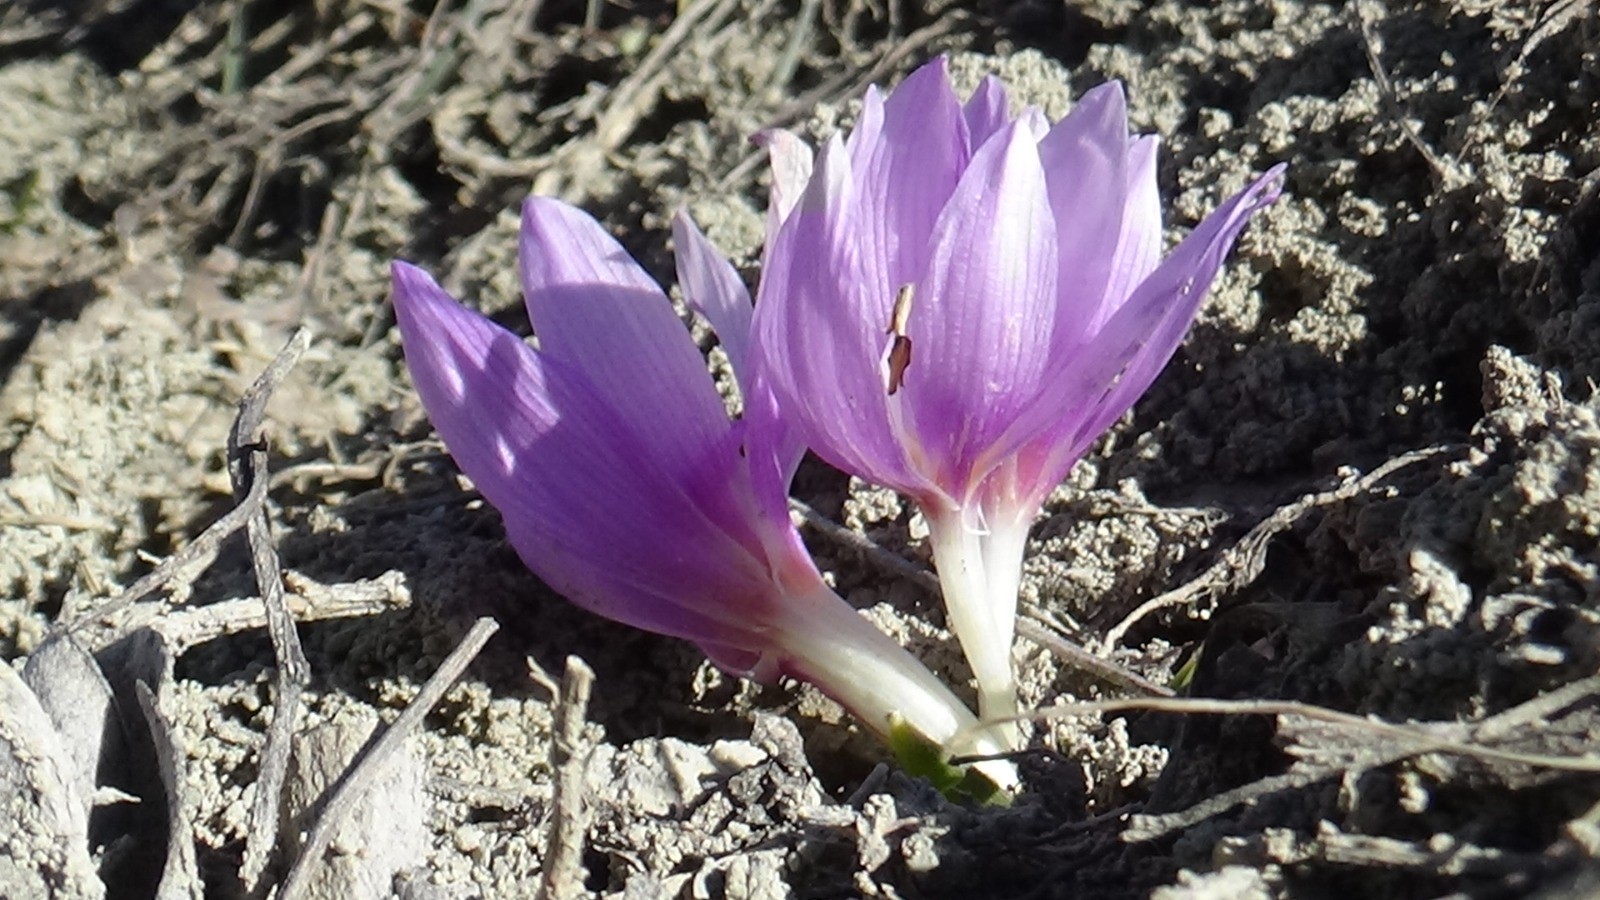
pixel 900 350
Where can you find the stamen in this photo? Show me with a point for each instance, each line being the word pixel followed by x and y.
pixel 900 350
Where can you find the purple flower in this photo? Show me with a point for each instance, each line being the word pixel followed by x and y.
pixel 957 303
pixel 621 480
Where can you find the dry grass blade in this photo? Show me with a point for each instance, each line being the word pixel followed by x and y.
pixel 1448 170
pixel 343 795
pixel 1556 18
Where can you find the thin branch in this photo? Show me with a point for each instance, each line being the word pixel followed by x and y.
pixel 247 465
pixel 180 567
pixel 1448 170
pixel 308 601
pixel 342 797
pixel 1318 757
pixel 562 877
pixel 1382 743
pixel 1417 739
pixel 1244 562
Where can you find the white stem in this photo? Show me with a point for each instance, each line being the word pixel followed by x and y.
pixel 984 632
pixel 832 646
pixel 1003 548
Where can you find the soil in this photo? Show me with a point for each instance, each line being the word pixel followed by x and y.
pixel 1371 476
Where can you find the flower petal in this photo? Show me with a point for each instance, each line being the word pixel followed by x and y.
pixel 1139 244
pixel 1138 341
pixel 981 321
pixel 791 169
pixel 1034 119
pixel 868 130
pixel 581 500
pixel 986 111
pixel 818 328
pixel 1085 161
pixel 713 289
pixel 909 173
pixel 597 311
pixel 1116 367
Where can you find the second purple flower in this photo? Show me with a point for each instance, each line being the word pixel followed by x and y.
pixel 957 303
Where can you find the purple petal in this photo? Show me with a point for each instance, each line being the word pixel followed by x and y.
pixel 868 130
pixel 1147 330
pixel 713 289
pixel 1085 161
pixel 1120 363
pixel 791 169
pixel 986 112
pixel 594 309
pixel 582 501
pixel 773 448
pixel 910 171
pixel 1034 119
pixel 1139 244
pixel 818 330
pixel 980 324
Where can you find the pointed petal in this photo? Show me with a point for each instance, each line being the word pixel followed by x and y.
pixel 911 171
pixel 981 323
pixel 448 349
pixel 986 111
pixel 585 510
pixel 1139 244
pixel 713 289
pixel 597 311
pixel 1109 372
pixel 819 327
pixel 1139 340
pixel 773 447
pixel 790 158
pixel 868 130
pixel 1036 122
pixel 1085 160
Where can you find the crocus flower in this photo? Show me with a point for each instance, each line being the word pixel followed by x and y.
pixel 624 485
pixel 957 302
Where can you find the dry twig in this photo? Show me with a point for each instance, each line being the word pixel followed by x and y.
pixel 180 568
pixel 1448 170
pixel 308 601
pixel 1319 756
pixel 562 876
pixel 1243 563
pixel 247 466
pixel 342 797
